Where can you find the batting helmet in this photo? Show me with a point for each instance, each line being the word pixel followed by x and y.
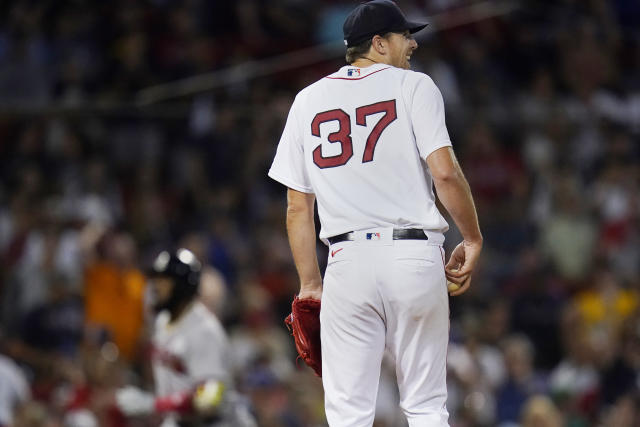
pixel 184 269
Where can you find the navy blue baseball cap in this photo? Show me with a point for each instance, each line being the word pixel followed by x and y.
pixel 376 17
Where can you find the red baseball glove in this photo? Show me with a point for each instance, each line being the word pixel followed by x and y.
pixel 304 324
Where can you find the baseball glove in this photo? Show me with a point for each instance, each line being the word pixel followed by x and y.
pixel 304 324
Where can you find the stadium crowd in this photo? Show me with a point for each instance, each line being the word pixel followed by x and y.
pixel 543 106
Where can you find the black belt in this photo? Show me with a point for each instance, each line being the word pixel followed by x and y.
pixel 398 234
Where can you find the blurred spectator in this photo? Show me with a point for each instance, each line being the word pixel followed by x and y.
pixel 57 324
pixel 624 413
pixel 114 291
pixel 260 340
pixel 603 308
pixel 574 381
pixel 476 370
pixel 568 237
pixel 536 305
pixel 14 389
pixel 620 375
pixel 522 381
pixel 539 411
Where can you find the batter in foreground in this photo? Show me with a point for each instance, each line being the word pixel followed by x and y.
pixel 370 143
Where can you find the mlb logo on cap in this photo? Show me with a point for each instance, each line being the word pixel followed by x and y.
pixel 353 72
pixel 373 236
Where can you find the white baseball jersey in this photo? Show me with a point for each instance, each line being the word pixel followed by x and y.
pixel 358 139
pixel 192 350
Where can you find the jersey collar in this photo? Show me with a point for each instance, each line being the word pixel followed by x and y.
pixel 349 72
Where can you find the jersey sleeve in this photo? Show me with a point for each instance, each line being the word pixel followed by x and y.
pixel 288 166
pixel 427 115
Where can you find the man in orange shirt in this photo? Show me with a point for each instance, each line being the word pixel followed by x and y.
pixel 114 293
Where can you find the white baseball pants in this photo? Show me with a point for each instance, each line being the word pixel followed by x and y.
pixel 382 293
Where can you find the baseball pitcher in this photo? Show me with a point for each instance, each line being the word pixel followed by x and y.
pixel 369 143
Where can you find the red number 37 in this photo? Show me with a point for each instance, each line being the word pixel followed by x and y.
pixel 343 135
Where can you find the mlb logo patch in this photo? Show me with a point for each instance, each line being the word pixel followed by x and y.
pixel 373 236
pixel 353 72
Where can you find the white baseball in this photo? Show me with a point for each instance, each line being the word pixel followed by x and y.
pixel 452 287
